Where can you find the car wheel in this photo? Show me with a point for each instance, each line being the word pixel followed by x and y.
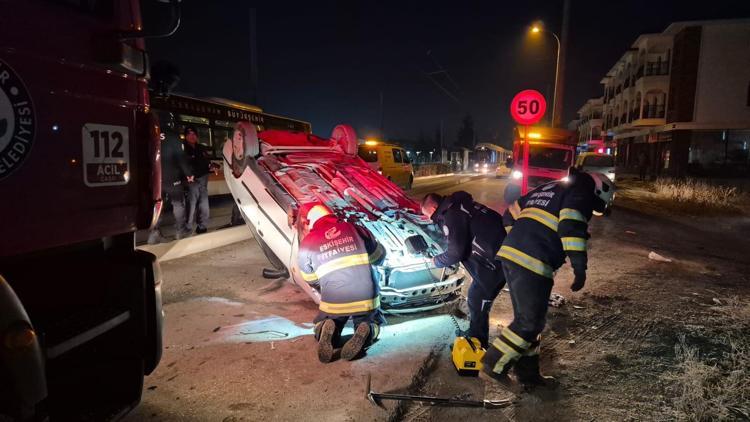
pixel 409 185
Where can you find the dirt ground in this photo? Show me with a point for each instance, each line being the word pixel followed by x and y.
pixel 644 340
pixel 617 348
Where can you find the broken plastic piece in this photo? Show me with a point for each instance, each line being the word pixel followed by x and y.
pixel 656 257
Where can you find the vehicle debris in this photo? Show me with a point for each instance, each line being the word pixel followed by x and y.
pixel 659 258
pixel 556 300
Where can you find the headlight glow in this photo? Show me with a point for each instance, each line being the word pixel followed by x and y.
pixel 565 179
pixel 516 174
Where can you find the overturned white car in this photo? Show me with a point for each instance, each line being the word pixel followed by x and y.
pixel 273 173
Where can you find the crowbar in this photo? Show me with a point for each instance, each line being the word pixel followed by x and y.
pixel 376 399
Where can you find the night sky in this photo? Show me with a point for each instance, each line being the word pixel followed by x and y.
pixel 328 63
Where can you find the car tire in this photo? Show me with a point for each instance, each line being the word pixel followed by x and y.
pixel 409 185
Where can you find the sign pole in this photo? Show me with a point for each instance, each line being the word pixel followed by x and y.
pixel 525 168
pixel 527 108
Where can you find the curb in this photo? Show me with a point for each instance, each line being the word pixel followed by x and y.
pixel 434 176
pixel 200 243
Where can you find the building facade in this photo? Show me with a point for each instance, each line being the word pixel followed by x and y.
pixel 680 100
pixel 589 124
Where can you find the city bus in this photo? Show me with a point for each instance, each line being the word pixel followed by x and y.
pixel 215 118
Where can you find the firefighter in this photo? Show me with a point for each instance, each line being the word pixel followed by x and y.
pixel 337 257
pixel 474 234
pixel 543 227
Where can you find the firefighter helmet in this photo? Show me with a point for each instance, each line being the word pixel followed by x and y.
pixel 604 190
pixel 316 213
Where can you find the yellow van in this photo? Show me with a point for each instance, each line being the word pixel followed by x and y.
pixel 389 160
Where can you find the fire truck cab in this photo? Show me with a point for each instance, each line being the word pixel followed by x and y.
pixel 551 154
pixel 80 307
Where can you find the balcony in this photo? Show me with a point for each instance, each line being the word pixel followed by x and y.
pixel 652 115
pixel 654 111
pixel 656 69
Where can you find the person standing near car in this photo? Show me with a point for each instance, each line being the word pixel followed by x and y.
pixel 200 164
pixel 475 233
pixel 544 227
pixel 175 173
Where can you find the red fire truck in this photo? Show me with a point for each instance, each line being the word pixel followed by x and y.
pixel 80 307
pixel 551 154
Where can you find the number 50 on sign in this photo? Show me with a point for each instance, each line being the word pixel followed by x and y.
pixel 528 107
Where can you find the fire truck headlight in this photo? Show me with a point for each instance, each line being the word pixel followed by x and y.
pixel 515 174
pixel 565 179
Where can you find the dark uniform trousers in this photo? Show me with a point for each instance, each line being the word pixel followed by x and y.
pixel 529 294
pixel 488 281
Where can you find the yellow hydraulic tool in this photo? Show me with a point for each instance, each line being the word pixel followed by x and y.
pixel 467 355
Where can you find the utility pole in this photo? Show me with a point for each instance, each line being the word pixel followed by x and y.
pixel 253 59
pixel 559 80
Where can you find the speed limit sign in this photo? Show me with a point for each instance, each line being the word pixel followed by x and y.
pixel 528 107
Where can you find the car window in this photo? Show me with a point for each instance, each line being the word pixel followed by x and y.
pixel 397 155
pixel 367 154
pixel 599 161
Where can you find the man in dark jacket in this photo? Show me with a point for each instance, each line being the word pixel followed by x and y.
pixel 337 257
pixel 474 234
pixel 544 226
pixel 175 172
pixel 200 164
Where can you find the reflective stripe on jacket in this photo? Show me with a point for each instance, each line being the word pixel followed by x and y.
pixel 548 224
pixel 338 256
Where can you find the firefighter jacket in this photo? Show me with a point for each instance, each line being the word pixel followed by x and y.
pixel 549 223
pixel 338 257
pixel 471 228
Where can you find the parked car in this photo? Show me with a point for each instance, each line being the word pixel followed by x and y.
pixel 389 160
pixel 597 162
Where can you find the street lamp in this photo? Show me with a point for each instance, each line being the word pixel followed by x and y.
pixel 536 28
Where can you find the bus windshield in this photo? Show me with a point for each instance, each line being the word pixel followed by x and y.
pixel 547 157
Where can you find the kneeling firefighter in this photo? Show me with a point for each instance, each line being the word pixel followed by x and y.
pixel 543 227
pixel 475 234
pixel 337 256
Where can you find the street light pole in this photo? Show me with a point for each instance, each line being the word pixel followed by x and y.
pixel 555 112
pixel 557 101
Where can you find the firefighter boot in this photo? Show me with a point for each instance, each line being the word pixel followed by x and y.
pixel 501 356
pixel 353 347
pixel 528 373
pixel 324 332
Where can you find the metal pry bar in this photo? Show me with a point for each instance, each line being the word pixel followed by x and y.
pixel 376 399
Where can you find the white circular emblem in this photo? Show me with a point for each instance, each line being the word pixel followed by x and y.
pixel 17 121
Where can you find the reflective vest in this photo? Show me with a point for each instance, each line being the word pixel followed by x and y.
pixel 338 256
pixel 548 224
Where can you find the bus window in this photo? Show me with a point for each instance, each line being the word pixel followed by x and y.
pixel 219 136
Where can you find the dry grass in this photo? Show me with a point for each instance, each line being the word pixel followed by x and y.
pixel 715 389
pixel 696 192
